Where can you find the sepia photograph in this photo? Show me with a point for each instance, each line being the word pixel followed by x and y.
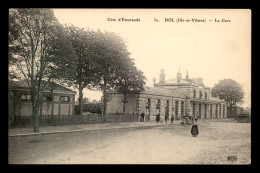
pixel 129 86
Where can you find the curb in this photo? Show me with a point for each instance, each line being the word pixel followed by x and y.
pixel 84 130
pixel 101 129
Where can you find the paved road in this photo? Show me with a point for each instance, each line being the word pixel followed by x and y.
pixel 171 144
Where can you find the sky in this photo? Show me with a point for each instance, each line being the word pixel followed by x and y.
pixel 218 47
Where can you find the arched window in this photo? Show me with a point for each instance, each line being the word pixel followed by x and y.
pixel 220 110
pixel 223 110
pixel 193 109
pixel 158 105
pixel 176 107
pixel 148 103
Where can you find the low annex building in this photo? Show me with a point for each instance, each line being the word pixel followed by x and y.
pixel 57 101
pixel 177 96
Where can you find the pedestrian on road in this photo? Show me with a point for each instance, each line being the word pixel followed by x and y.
pixel 194 129
pixel 166 118
pixel 158 117
pixel 172 118
pixel 142 117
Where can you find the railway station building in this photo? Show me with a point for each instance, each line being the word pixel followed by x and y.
pixel 177 96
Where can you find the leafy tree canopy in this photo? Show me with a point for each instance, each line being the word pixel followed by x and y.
pixel 229 90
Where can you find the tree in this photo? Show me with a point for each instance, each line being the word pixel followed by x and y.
pixel 39 52
pixel 130 80
pixel 229 90
pixel 99 56
pixel 109 53
pixel 82 41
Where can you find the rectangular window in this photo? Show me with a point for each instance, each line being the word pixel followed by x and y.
pixel 26 97
pixel 64 98
pixel 194 93
pixel 206 95
pixel 47 98
pixel 200 94
pixel 224 110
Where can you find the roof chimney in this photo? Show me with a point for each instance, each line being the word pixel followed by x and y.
pixel 179 76
pixel 162 76
pixel 187 76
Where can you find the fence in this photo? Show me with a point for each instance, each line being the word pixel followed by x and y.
pixel 44 120
pixel 49 120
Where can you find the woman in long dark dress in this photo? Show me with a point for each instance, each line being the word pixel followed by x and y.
pixel 194 129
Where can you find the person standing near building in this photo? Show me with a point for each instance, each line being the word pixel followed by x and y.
pixel 172 118
pixel 166 118
pixel 142 117
pixel 158 117
pixel 194 128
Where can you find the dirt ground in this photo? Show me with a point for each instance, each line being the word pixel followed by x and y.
pixel 169 144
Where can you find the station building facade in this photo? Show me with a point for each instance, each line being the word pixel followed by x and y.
pixel 177 96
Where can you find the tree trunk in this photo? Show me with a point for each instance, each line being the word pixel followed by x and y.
pixel 35 119
pixel 105 101
pixel 124 101
pixel 80 100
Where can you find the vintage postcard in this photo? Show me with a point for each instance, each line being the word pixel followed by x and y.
pixel 129 86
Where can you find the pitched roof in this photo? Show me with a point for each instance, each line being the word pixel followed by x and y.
pixel 158 91
pixel 23 84
pixel 173 81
